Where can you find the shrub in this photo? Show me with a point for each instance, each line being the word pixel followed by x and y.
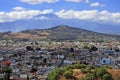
pixel 79 66
pixel 107 67
pixel 68 74
pixel 52 76
pixel 107 77
pixel 82 78
pixel 55 74
pixel 86 47
pixel 68 67
pixel 100 72
pixel 58 71
pixel 88 69
pixel 89 77
pixel 83 70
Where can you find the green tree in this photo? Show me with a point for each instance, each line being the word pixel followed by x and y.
pixel 100 72
pixel 107 77
pixel 79 66
pixel 58 71
pixel 89 77
pixel 86 47
pixel 52 76
pixel 55 74
pixel 7 70
pixel 83 70
pixel 93 48
pixel 68 74
pixel 68 67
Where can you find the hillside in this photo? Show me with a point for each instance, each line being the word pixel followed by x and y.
pixel 78 74
pixel 60 32
pixel 44 24
pixel 84 72
pixel 63 32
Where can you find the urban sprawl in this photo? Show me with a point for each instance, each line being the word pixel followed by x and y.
pixel 36 59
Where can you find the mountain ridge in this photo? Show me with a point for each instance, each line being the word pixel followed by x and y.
pixel 58 33
pixel 53 20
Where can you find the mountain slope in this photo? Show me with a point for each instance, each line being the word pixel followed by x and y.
pixel 63 32
pixel 60 32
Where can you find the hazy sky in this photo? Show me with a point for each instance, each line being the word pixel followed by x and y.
pixel 101 11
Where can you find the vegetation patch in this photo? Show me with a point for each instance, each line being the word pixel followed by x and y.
pixel 81 72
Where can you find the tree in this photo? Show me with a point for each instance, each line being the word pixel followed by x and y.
pixel 79 66
pixel 89 77
pixel 27 77
pixel 117 49
pixel 107 77
pixel 88 69
pixel 93 48
pixel 68 67
pixel 67 74
pixel 58 71
pixel 71 49
pixel 83 70
pixel 86 47
pixel 52 76
pixel 45 60
pixel 29 48
pixel 33 70
pixel 38 49
pixel 55 74
pixel 100 72
pixel 7 70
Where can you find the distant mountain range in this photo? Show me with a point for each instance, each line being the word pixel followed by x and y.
pixel 59 33
pixel 54 20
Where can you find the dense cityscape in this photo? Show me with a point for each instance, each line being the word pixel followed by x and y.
pixel 36 59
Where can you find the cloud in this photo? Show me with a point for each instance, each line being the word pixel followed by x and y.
pixel 19 9
pixel 47 11
pixel 90 15
pixel 96 4
pixel 33 2
pixel 87 1
pixel 20 13
pixel 42 18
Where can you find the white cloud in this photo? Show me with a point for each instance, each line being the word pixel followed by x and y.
pixel 87 1
pixel 42 18
pixel 22 14
pixel 96 4
pixel 19 13
pixel 39 1
pixel 19 9
pixel 47 11
pixel 90 15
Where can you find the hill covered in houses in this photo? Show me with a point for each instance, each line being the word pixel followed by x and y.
pixel 59 33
